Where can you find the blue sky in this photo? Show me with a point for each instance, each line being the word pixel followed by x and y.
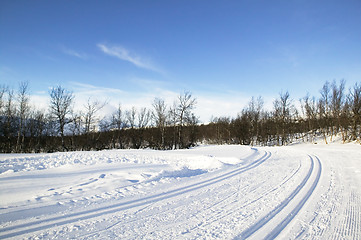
pixel 224 52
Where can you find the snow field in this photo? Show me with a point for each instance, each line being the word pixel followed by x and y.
pixel 209 192
pixel 58 176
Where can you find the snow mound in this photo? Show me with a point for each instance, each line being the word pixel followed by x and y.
pixel 181 173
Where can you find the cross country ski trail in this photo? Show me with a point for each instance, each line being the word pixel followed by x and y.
pixel 211 192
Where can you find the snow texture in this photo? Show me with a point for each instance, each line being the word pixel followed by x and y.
pixel 305 191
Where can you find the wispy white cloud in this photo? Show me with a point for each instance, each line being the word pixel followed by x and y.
pixel 88 89
pixel 125 55
pixel 83 92
pixel 74 53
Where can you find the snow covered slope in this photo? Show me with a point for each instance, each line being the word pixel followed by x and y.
pixel 209 192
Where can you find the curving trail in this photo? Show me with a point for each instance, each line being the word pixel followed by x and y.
pixel 299 192
pixel 49 222
pixel 278 225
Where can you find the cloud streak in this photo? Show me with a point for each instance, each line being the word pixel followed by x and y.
pixel 125 55
pixel 74 53
pixel 91 90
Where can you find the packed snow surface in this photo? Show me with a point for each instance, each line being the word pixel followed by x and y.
pixel 304 191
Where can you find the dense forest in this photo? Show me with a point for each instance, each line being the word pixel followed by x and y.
pixel 23 128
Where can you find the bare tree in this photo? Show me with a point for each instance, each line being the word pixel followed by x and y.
pixel 10 113
pixel 23 113
pixel 355 105
pixel 173 121
pixel 8 127
pixel 283 111
pixel 159 116
pixel 118 119
pixel 186 103
pixel 131 117
pixel 143 118
pixel 143 121
pixel 324 110
pixel 192 122
pixel 36 129
pixel 60 107
pixel 309 107
pixel 138 121
pixel 91 108
pixel 337 104
pixel 118 122
pixel 76 123
pixel 254 111
pixel 241 127
pixel 3 90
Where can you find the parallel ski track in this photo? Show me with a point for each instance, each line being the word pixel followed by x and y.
pixel 264 194
pixel 231 207
pixel 50 222
pixel 277 230
pixel 227 205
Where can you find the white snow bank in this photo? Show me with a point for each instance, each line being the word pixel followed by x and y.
pixel 72 176
pixel 206 157
pixel 184 172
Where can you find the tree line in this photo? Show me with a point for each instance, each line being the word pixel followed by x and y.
pixel 23 128
pixel 335 112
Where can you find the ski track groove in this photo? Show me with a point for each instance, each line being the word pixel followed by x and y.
pixel 277 230
pixel 299 206
pixel 254 164
pixel 25 228
pixel 232 210
pixel 226 208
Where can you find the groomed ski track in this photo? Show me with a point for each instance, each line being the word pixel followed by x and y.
pixel 285 193
pixel 46 223
pixel 277 227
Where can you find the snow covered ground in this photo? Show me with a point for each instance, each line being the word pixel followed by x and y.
pixel 304 191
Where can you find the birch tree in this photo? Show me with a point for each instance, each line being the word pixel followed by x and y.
pixel 159 116
pixel 186 103
pixel 23 113
pixel 60 107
